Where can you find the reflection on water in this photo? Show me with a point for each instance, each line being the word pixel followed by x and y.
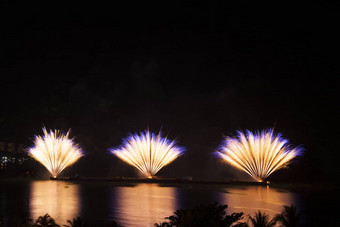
pixel 59 199
pixel 254 198
pixel 131 205
pixel 145 204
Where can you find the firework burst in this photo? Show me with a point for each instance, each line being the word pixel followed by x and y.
pixel 148 152
pixel 258 154
pixel 55 151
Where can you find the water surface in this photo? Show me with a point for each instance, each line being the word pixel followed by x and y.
pixel 132 204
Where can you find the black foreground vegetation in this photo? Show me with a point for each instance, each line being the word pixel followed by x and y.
pixel 210 215
pixel 213 215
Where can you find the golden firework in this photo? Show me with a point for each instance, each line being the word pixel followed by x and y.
pixel 258 154
pixel 55 151
pixel 148 152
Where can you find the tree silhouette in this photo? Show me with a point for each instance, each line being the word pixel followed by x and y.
pixel 261 220
pixel 213 215
pixel 75 222
pixel 45 221
pixel 289 217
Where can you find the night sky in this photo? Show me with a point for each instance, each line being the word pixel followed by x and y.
pixel 196 70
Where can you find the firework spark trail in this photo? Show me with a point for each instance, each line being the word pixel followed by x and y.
pixel 258 154
pixel 148 152
pixel 55 151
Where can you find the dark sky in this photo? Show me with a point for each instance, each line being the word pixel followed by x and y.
pixel 196 70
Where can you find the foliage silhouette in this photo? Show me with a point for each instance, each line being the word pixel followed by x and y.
pixel 261 220
pixel 213 215
pixel 48 221
pixel 289 217
pixel 75 222
pixel 114 224
pixel 45 221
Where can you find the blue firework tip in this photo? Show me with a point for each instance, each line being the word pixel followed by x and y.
pixel 299 150
pixel 217 153
pixel 145 136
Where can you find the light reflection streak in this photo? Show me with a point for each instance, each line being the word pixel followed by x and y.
pixel 59 199
pixel 145 204
pixel 251 199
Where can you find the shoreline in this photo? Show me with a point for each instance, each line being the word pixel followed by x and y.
pixel 158 180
